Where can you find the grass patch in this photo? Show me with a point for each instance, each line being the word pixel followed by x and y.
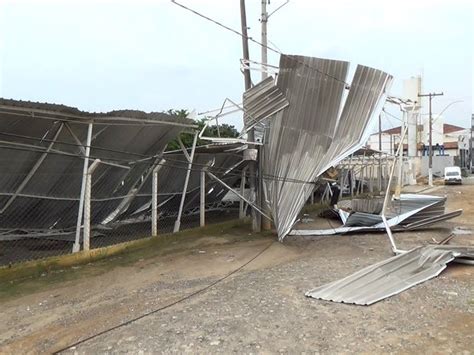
pixel 314 208
pixel 29 277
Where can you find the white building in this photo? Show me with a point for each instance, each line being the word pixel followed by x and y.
pixel 451 137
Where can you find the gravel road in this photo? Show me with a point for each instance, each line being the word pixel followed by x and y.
pixel 261 308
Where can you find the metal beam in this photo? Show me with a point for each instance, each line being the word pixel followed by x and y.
pixel 78 141
pixel 238 195
pixel 183 148
pixel 177 224
pixel 33 169
pixel 393 246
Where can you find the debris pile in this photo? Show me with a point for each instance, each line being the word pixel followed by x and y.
pixel 409 212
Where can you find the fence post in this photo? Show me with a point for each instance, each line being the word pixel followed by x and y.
pixel 154 202
pixel 87 204
pixel 202 202
pixel 77 245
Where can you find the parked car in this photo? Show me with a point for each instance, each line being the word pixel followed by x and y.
pixel 452 175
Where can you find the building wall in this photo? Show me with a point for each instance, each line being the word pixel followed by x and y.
pixel 439 163
pixel 460 137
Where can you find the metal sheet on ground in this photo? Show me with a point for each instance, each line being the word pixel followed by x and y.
pixel 392 276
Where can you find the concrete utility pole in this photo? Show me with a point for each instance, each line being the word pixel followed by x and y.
pixel 245 43
pixel 471 157
pixel 266 223
pixel 430 161
pixel 256 225
pixel 263 21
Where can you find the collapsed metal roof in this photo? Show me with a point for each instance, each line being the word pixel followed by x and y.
pixel 223 160
pixel 56 112
pixel 391 276
pixel 42 149
pixel 311 134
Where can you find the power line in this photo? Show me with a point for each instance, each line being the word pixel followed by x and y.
pixel 71 144
pixel 391 115
pixel 259 43
pixel 169 305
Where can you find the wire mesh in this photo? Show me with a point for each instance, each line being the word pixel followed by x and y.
pixel 40 219
pixel 43 155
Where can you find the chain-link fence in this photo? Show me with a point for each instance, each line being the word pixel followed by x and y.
pixel 48 221
pixel 72 181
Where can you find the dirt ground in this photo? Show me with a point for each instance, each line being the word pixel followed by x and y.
pixel 261 308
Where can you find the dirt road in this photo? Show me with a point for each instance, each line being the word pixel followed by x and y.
pixel 259 309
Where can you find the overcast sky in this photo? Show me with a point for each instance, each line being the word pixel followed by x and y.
pixel 154 56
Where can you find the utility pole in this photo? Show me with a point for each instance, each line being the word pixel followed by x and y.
pixel 471 157
pixel 266 223
pixel 245 43
pixel 263 21
pixel 256 225
pixel 430 159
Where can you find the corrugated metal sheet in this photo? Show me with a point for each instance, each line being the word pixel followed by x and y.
pixel 367 205
pixel 362 219
pixel 47 111
pixel 392 276
pixel 363 102
pixel 309 135
pixel 262 101
pixel 50 198
pixel 408 213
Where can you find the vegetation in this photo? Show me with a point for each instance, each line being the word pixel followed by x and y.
pixel 225 130
pixel 40 275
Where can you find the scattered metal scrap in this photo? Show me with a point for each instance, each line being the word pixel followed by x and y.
pixel 409 212
pixel 392 276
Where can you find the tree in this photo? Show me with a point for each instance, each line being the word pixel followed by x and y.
pixel 226 131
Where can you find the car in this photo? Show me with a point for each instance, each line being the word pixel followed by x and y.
pixel 452 175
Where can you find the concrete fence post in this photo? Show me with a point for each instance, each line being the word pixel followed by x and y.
pixel 154 202
pixel 87 205
pixel 202 201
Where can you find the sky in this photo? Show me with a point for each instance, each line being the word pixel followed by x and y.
pixel 154 56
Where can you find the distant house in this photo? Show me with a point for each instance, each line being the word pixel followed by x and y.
pixel 450 141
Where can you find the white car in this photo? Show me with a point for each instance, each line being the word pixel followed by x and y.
pixel 452 175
